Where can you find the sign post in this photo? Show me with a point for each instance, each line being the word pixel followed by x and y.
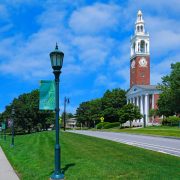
pixel 102 120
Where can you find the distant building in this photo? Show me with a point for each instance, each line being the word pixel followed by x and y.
pixel 71 123
pixel 141 93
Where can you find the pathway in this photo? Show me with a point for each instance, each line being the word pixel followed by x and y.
pixel 6 170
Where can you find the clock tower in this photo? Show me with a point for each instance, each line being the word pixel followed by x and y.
pixel 140 55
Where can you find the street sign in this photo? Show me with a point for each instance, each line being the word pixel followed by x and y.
pixel 47 95
pixel 102 119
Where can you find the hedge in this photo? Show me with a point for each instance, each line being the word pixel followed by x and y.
pixel 107 125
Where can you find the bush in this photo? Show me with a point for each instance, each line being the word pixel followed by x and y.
pixel 111 125
pixel 107 125
pixel 101 125
pixel 171 120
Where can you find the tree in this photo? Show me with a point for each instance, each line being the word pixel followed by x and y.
pixel 112 101
pixel 27 116
pixel 169 100
pixel 88 113
pixel 129 112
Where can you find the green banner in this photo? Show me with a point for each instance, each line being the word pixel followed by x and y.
pixel 3 125
pixel 47 95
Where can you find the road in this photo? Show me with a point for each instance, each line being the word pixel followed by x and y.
pixel 159 144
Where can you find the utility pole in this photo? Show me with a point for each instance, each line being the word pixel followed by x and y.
pixel 66 100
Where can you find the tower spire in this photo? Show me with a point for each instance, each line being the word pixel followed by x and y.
pixel 139 24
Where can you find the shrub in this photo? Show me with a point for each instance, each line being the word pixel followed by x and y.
pixel 101 125
pixel 171 120
pixel 111 125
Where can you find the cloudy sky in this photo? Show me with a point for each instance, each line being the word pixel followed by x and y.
pixel 95 38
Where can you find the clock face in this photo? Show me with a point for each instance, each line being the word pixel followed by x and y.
pixel 133 64
pixel 143 62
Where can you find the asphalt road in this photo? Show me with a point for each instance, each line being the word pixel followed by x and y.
pixel 159 144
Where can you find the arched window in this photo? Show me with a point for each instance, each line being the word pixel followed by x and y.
pixel 141 28
pixel 142 46
pixel 134 48
pixel 138 28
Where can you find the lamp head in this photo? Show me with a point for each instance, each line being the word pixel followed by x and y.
pixel 56 57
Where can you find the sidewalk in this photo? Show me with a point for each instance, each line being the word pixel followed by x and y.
pixel 6 170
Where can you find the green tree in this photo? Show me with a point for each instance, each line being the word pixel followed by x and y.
pixel 169 100
pixel 27 116
pixel 88 113
pixel 129 112
pixel 112 101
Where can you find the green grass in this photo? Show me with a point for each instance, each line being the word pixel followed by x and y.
pixel 87 158
pixel 151 130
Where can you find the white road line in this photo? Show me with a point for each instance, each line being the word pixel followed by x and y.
pixel 147 144
pixel 149 147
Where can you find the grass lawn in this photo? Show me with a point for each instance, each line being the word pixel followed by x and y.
pixel 87 158
pixel 151 130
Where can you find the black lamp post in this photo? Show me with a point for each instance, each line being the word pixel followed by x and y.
pixel 144 119
pixel 66 100
pixel 12 126
pixel 56 57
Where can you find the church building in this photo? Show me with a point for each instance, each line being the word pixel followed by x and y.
pixel 141 93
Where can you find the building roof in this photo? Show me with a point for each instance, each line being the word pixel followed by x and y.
pixel 150 87
pixel 142 90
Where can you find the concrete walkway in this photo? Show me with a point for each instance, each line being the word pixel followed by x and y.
pixel 6 170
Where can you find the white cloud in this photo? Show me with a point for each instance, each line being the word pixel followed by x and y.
pixel 165 41
pixel 162 68
pixel 92 51
pixel 4 15
pixel 105 81
pixel 95 18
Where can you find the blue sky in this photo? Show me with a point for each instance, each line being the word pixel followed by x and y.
pixel 95 38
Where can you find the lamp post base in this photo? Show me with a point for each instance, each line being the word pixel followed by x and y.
pixel 57 176
pixel 12 145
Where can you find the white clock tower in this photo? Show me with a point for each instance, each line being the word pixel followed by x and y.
pixel 140 55
pixel 141 93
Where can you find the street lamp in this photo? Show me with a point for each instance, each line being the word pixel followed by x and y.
pixel 66 100
pixel 144 119
pixel 12 126
pixel 56 57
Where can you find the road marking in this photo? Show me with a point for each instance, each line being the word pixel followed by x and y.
pixel 146 146
pixel 136 142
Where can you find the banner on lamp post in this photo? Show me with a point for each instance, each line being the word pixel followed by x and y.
pixel 3 125
pixel 47 95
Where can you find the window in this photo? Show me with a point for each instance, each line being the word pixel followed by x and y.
pixel 142 46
